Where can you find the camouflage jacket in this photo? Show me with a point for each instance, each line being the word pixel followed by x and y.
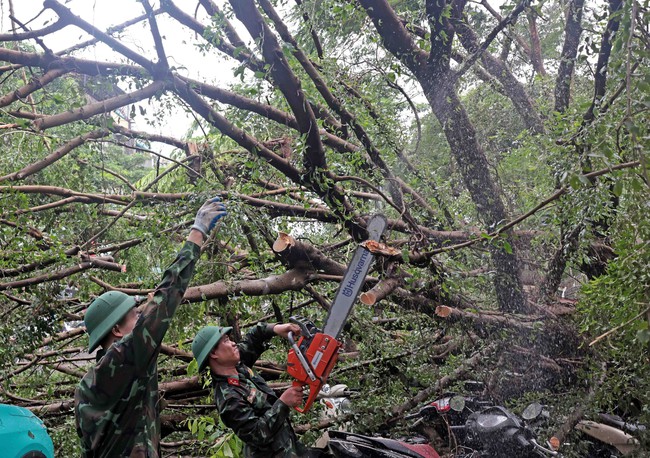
pixel 116 402
pixel 250 407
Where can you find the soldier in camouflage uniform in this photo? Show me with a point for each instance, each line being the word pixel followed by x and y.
pixel 245 402
pixel 116 402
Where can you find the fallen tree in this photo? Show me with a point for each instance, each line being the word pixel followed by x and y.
pixel 433 113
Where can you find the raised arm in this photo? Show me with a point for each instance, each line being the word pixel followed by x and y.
pixel 156 318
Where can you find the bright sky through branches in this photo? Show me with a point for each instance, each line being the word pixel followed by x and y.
pixel 179 43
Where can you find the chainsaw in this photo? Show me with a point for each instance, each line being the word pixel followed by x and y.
pixel 312 358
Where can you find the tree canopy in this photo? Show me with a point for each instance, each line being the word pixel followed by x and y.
pixel 506 144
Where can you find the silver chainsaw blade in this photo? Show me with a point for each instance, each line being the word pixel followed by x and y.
pixel 353 280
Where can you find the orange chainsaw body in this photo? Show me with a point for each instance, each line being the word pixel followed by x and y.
pixel 312 359
pixel 321 356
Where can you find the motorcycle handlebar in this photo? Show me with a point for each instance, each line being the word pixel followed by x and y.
pixel 523 442
pixel 423 412
pixel 532 445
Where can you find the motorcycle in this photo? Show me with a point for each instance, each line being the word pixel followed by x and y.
pixel 475 429
pixel 608 437
pixel 470 427
pixel 343 444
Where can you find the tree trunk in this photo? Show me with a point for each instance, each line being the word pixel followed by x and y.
pixel 474 168
pixel 572 31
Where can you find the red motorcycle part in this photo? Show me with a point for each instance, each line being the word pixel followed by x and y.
pixel 422 449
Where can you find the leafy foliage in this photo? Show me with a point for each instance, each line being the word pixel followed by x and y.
pixel 113 192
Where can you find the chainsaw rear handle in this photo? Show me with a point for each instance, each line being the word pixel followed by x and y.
pixel 313 366
pixel 313 382
pixel 314 389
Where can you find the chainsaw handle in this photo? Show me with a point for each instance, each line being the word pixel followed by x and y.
pixel 314 389
pixel 312 367
pixel 303 361
pixel 314 383
pixel 305 325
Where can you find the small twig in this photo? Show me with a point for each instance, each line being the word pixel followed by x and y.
pixel 611 331
pixel 107 227
pixel 366 183
pixel 559 193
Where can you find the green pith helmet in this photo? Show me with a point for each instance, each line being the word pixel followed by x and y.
pixel 204 342
pixel 104 313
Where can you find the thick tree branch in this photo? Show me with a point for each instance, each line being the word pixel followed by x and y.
pixel 312 30
pixel 186 91
pixel 535 45
pixel 297 254
pixel 291 280
pixel 600 72
pixel 572 31
pixel 395 36
pixel 84 66
pixel 335 104
pixel 445 381
pixel 59 153
pixel 236 49
pixel 286 81
pixel 441 31
pixel 267 111
pixel 22 36
pixel 521 6
pixel 162 64
pixel 33 86
pixel 314 180
pixel 104 106
pixel 4 273
pixel 109 31
pixel 66 15
pixel 511 85
pixel 95 263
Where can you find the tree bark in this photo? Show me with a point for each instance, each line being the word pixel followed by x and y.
pixel 535 46
pixel 600 72
pixel 572 32
pixel 512 87
pixel 433 74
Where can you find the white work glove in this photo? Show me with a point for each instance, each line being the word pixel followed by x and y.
pixel 208 215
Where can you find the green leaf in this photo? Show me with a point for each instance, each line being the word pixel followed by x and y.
pixel 643 336
pixel 584 180
pixel 192 368
pixel 575 182
pixel 405 254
